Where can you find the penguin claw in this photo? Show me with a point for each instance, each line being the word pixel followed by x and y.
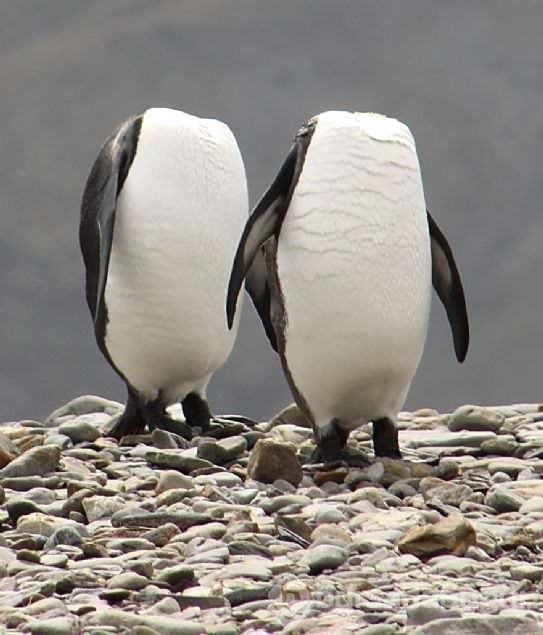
pixel 163 422
pixel 121 426
pixel 339 459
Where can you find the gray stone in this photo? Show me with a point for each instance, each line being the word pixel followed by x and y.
pixel 254 568
pixel 504 444
pixel 65 535
pixel 223 451
pixel 480 625
pixel 96 507
pixel 44 525
pixel 37 461
pixel 427 611
pixel 502 500
pixel 527 572
pixel 163 624
pixel 85 404
pixel 128 580
pixel 172 479
pixel 324 557
pixel 269 461
pixel 184 462
pixel 80 429
pixel 475 418
pixel 64 625
pixel 451 493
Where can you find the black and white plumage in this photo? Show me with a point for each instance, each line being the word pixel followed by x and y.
pixel 340 255
pixel 162 211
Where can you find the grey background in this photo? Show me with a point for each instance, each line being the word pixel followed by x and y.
pixel 466 76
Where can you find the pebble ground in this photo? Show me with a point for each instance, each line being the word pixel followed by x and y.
pixel 157 535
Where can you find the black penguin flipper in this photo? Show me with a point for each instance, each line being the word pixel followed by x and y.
pixel 264 221
pixel 258 287
pixel 98 207
pixel 447 283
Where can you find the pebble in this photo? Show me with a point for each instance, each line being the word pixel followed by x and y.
pixel 324 557
pixel 171 536
pixel 269 459
pixel 502 500
pixel 37 461
pixel 475 418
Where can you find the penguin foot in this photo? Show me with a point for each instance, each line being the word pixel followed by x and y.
pixel 341 458
pixel 223 426
pixel 385 439
pixel 122 425
pixel 196 411
pixel 163 422
pixel 331 447
pixel 131 421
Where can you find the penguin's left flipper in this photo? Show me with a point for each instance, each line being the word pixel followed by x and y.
pixel 103 186
pixel 258 287
pixel 265 221
pixel 447 283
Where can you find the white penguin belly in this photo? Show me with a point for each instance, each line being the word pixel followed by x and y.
pixel 178 220
pixel 354 267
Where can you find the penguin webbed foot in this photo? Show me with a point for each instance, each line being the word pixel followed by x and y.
pixel 331 448
pixel 131 420
pixel 223 426
pixel 196 411
pixel 385 438
pixel 163 422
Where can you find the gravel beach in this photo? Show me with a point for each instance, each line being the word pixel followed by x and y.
pixel 227 533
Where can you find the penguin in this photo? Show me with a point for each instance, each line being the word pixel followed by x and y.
pixel 161 215
pixel 339 257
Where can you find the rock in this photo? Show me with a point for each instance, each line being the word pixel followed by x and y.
pixel 80 429
pixel 480 625
pixel 175 460
pixel 8 450
pixel 17 507
pixel 527 572
pixel 96 507
pixel 178 577
pixel 162 624
pixel 44 525
pixel 446 470
pixel 504 444
pixel 454 534
pixel 511 466
pixel 171 479
pixel 336 475
pixel 139 518
pixel 65 535
pixel 83 405
pixel 129 580
pixel 254 568
pixel 223 451
pixel 65 625
pixel 450 493
pixel 164 440
pixel 269 461
pixel 290 415
pixel 37 461
pixel 427 611
pixel 502 500
pixel 475 418
pixel 324 557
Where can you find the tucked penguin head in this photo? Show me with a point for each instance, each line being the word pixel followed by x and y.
pixel 375 125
